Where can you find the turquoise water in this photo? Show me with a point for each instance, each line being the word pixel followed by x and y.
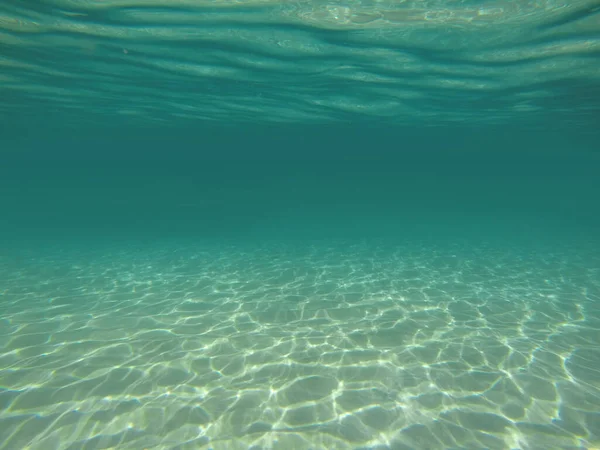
pixel 308 225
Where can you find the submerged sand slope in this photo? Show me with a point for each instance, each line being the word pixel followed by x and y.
pixel 334 346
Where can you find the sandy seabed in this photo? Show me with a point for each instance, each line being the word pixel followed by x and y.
pixel 327 346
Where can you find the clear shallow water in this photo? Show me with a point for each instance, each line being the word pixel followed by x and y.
pixel 330 345
pixel 179 62
pixel 302 225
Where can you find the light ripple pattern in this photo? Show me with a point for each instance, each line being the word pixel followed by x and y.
pixel 337 345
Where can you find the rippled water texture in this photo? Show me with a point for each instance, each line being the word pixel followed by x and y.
pixel 269 311
pixel 330 346
pixel 139 62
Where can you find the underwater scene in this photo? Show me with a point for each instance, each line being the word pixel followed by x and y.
pixel 268 224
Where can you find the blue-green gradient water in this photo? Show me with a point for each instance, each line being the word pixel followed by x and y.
pixel 299 225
